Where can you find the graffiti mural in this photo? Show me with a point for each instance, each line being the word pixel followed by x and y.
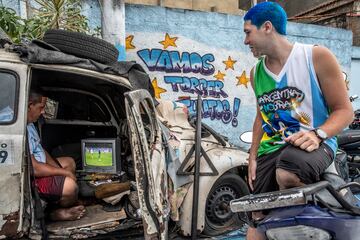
pixel 182 69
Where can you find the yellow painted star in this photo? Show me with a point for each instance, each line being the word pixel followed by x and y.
pixel 128 43
pixel 169 41
pixel 158 90
pixel 220 76
pixel 229 63
pixel 243 80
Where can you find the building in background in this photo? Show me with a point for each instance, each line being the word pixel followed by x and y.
pixel 334 13
pixel 223 6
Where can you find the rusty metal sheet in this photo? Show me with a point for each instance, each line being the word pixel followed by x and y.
pixel 10 225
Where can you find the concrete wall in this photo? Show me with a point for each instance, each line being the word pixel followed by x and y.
pixel 14 4
pixel 355 76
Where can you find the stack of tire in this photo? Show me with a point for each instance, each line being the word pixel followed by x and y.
pixel 82 45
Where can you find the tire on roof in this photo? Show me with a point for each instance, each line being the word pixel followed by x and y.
pixel 82 45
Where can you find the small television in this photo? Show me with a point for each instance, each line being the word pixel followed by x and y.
pixel 101 155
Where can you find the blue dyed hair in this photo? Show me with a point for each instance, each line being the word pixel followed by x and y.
pixel 268 11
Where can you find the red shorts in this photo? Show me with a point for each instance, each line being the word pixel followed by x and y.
pixel 50 188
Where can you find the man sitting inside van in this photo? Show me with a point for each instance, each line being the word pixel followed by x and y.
pixel 54 178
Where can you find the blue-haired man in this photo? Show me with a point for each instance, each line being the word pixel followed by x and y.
pixel 305 81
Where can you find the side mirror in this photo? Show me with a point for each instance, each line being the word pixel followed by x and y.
pixel 346 80
pixel 246 137
pixel 344 76
pixel 353 98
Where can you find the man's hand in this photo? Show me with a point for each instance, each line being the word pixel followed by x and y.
pixel 251 173
pixel 307 141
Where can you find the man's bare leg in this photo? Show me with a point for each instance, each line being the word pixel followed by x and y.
pixel 68 163
pixel 69 198
pixel 286 179
pixel 252 233
pixel 68 214
pixel 69 193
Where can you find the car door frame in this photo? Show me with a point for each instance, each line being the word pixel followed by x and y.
pixel 13 173
pixel 149 161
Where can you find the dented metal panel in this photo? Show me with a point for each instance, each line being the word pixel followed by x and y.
pixel 10 225
pixel 181 139
pixel 12 142
pixel 224 159
pixel 150 164
pixel 10 202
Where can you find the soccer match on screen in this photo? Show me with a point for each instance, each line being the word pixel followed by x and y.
pixel 98 156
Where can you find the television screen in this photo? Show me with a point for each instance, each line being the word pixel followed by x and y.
pixel 101 155
pixel 98 154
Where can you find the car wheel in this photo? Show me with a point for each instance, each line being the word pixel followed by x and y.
pixel 82 45
pixel 218 216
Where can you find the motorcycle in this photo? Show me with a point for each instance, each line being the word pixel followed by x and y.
pixel 348 160
pixel 356 122
pixel 324 210
pixel 348 157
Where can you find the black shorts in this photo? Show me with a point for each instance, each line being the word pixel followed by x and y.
pixel 308 166
pixel 50 188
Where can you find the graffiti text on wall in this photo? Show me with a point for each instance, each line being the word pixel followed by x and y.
pixel 215 109
pixel 193 85
pixel 173 61
pixel 217 104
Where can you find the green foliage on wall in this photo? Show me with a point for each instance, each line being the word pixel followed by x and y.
pixel 51 14
pixel 12 24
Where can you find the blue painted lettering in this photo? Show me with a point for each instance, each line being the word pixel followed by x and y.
pixel 216 109
pixel 170 61
pixel 193 85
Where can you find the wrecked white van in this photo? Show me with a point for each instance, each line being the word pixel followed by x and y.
pixel 152 152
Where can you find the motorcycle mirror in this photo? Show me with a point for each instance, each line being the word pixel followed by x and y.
pixel 353 97
pixel 344 76
pixel 346 80
pixel 246 137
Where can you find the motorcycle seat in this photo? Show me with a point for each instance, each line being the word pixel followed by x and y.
pixel 349 139
pixel 327 198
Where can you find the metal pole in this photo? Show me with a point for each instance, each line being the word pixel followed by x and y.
pixel 197 170
pixel 113 24
pixel 24 9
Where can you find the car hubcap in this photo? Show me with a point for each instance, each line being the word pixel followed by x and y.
pixel 217 207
